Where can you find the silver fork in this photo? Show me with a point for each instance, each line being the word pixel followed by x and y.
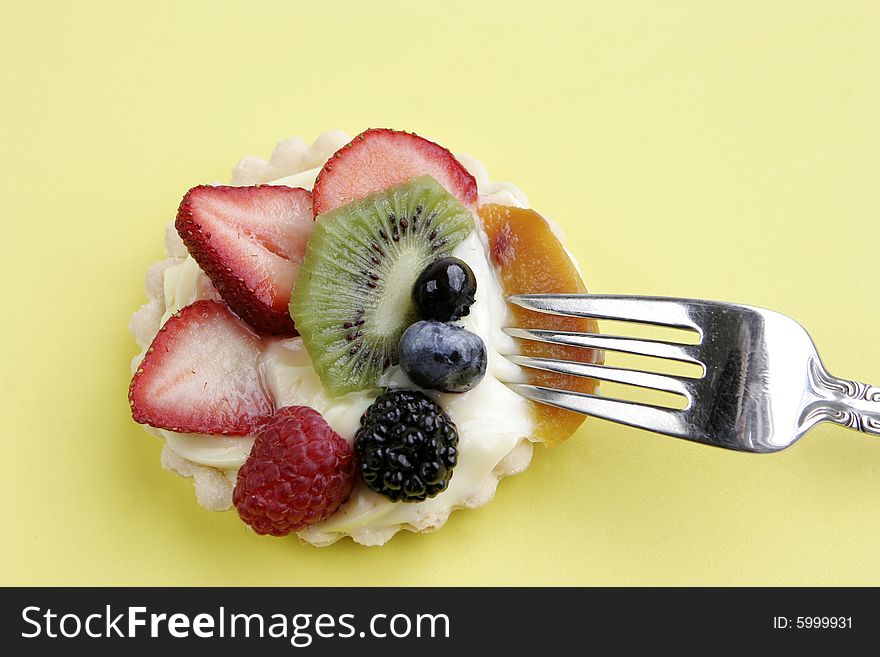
pixel 763 384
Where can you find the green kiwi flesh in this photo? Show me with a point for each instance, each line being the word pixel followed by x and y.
pixel 353 295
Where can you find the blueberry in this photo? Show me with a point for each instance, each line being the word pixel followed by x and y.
pixel 445 290
pixel 442 356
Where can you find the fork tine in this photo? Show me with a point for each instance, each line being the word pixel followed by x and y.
pixel 659 311
pixel 656 348
pixel 641 416
pixel 673 384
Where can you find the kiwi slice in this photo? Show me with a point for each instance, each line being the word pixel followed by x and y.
pixel 353 295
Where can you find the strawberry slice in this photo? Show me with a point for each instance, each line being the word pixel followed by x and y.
pixel 380 158
pixel 250 242
pixel 201 375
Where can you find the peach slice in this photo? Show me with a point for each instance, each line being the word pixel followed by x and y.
pixel 531 260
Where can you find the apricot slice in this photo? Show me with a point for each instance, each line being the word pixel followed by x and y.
pixel 531 260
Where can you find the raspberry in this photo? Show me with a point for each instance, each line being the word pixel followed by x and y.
pixel 407 446
pixel 298 473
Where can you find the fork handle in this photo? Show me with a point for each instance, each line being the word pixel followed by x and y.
pixel 852 404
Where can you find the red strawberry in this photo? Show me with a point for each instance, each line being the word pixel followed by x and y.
pixel 299 472
pixel 201 375
pixel 380 158
pixel 250 242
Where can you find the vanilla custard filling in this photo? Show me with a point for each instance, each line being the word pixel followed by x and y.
pixel 491 419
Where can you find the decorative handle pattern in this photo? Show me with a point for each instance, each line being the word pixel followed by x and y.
pixel 853 404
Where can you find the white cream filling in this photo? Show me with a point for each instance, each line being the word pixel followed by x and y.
pixel 491 419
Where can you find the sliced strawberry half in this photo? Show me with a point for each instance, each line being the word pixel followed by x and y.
pixel 201 375
pixel 250 242
pixel 381 158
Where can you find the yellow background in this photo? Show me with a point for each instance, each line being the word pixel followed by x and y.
pixel 722 150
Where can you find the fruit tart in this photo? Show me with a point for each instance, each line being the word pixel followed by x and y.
pixel 323 348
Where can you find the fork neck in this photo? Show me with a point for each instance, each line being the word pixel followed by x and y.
pixel 849 403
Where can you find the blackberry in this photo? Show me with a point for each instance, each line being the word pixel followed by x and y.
pixel 407 446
